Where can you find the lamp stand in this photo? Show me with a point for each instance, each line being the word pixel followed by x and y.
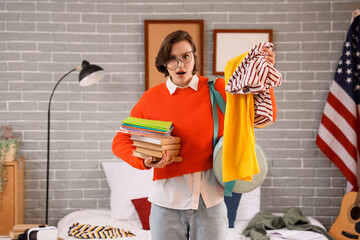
pixel 48 147
pixel 89 75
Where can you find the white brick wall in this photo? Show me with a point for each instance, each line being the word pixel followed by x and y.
pixel 42 40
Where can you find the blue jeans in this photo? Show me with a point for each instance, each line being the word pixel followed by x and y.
pixel 201 224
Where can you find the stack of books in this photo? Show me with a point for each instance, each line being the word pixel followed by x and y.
pixel 151 138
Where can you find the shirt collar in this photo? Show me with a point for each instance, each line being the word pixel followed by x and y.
pixel 194 82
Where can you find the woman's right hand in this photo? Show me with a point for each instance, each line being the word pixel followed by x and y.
pixel 165 160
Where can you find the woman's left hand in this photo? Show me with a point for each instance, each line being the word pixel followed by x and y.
pixel 271 56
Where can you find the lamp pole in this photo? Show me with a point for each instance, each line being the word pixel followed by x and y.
pixel 89 75
pixel 48 146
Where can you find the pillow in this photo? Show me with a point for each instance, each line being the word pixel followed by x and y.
pixel 143 207
pixel 232 204
pixel 249 205
pixel 126 183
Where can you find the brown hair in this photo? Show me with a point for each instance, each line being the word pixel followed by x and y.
pixel 163 55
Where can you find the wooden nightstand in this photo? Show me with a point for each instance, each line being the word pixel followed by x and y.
pixel 12 204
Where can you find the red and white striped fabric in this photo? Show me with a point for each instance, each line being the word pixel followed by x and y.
pixel 254 75
pixel 337 135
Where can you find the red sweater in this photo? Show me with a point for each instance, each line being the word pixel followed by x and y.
pixel 190 112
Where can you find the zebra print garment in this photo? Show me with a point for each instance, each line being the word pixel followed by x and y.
pixel 86 231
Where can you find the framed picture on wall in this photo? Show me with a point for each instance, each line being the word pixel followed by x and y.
pixel 229 43
pixel 156 31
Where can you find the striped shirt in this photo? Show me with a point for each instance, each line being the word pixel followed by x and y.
pixel 254 75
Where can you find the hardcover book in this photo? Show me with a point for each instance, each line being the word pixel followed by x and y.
pixel 155 153
pixel 156 146
pixel 143 156
pixel 156 140
pixel 147 123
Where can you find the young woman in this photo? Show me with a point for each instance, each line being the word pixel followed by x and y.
pixel 187 200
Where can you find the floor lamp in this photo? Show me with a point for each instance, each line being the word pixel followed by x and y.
pixel 89 75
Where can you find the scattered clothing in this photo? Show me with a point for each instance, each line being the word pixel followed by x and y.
pixel 86 231
pixel 292 219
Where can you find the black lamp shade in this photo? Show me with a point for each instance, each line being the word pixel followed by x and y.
pixel 90 74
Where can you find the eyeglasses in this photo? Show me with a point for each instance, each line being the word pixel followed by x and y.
pixel 173 62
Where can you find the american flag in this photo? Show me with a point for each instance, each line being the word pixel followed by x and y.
pixel 339 132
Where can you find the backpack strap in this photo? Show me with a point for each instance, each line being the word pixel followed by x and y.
pixel 217 99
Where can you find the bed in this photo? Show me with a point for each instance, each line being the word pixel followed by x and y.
pixel 129 209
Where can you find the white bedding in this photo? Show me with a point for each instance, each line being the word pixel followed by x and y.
pixel 127 183
pixel 103 218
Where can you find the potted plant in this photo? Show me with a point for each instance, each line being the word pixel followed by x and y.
pixel 8 151
pixel 2 178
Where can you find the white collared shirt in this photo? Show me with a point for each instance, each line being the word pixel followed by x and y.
pixel 183 192
pixel 194 82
